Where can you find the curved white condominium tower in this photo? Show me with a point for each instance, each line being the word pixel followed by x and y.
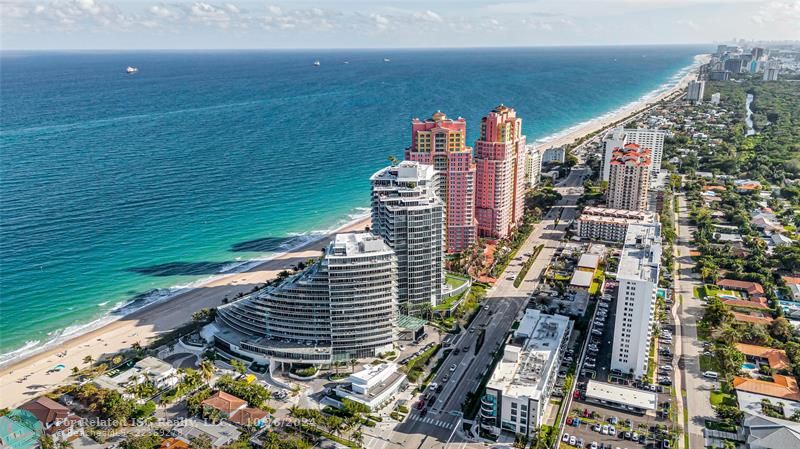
pixel 409 215
pixel 342 307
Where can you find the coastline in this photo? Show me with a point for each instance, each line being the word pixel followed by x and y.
pixel 146 323
pixel 606 120
pixel 175 309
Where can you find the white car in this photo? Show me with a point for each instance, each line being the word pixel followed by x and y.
pixel 594 445
pixel 612 431
pixel 573 441
pixel 453 367
pixel 604 430
pixel 565 438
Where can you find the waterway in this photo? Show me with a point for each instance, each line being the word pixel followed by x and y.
pixel 749 119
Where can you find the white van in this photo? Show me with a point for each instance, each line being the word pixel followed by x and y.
pixel 711 374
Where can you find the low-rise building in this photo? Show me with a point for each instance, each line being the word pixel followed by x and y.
pixel 619 397
pixel 219 434
pixel 149 369
pixel 610 225
pixel 57 420
pixel 782 387
pixel 764 432
pixel 754 290
pixel 518 392
pixel 227 404
pixel 19 429
pixel 373 386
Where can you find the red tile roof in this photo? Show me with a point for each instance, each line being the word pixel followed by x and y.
pixel 224 402
pixel 745 304
pixel 753 319
pixel 776 357
pixel 752 288
pixel 248 416
pixel 46 410
pixel 783 387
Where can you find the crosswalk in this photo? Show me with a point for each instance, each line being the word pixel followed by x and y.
pixel 432 421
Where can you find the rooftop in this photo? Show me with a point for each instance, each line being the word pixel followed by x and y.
pixel 581 279
pixel 784 387
pixel 589 261
pixel 776 357
pixel 224 402
pixel 641 253
pixel 353 244
pixel 528 362
pixel 641 399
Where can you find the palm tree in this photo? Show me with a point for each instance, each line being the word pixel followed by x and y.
pixel 206 370
pixel 239 366
pixel 353 363
pixel 46 442
pixel 116 360
pixel 88 359
pixel 64 444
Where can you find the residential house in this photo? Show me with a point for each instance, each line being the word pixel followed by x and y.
pixel 782 387
pixel 775 358
pixel 174 443
pixel 754 291
pixel 19 429
pixel 56 419
pixel 764 432
pixel 227 404
pixel 219 434
pixel 249 417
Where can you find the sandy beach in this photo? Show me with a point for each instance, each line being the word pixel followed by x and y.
pixel 27 378
pixel 144 324
pixel 623 113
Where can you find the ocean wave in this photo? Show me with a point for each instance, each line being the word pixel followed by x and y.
pixel 138 302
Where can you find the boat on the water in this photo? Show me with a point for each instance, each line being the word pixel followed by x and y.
pixel 316 63
pixel 131 70
pixel 386 59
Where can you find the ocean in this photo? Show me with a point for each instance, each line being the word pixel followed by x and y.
pixel 116 189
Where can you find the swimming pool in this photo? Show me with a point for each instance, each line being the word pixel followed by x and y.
pixel 749 366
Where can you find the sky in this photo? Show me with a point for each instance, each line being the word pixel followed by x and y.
pixel 248 24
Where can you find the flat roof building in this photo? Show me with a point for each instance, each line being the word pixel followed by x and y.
pixel 373 386
pixel 637 277
pixel 610 225
pixel 616 396
pixel 518 392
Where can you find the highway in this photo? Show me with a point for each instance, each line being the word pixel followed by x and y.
pixel 504 304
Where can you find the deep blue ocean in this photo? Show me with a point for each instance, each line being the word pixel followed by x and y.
pixel 112 185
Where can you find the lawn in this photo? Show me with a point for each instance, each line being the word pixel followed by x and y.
pixel 707 363
pixel 719 398
pixel 713 290
pixel 454 281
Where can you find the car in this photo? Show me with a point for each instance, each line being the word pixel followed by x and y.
pixel 423 412
pixel 589 365
pixel 627 435
pixel 612 431
pixel 569 420
pixel 635 436
pixel 420 404
pixel 579 443
pixel 565 438
pixel 596 332
pixel 432 400
pixel 456 351
pixel 666 367
pixel 465 348
pixel 594 445
pixel 711 374
pixel 628 422
pixel 573 441
pixel 596 427
pixel 604 429
pixel 613 420
pixel 665 444
pixel 445 379
pixel 439 388
pixel 432 386
pixel 453 367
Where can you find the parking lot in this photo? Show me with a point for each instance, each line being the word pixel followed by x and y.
pixel 614 429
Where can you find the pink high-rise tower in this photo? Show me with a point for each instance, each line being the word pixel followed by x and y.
pixel 500 182
pixel 441 142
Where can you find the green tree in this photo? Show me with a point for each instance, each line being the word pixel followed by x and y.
pixel 207 370
pixel 781 329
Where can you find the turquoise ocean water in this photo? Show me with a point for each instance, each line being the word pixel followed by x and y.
pixel 113 186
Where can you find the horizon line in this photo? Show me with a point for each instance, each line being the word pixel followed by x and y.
pixel 4 50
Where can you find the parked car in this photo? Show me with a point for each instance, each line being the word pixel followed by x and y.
pixel 565 438
pixel 604 429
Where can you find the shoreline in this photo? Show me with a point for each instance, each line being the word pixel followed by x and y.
pixel 25 377
pixel 570 135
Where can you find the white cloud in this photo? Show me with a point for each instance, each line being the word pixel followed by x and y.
pixel 428 16
pixel 787 11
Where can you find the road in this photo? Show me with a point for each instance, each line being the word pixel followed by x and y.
pixel 441 425
pixel 696 388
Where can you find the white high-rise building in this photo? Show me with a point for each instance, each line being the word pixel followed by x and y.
pixel 651 139
pixel 533 167
pixel 341 308
pixel 715 97
pixel 695 90
pixel 409 215
pixel 637 276
pixel 519 390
